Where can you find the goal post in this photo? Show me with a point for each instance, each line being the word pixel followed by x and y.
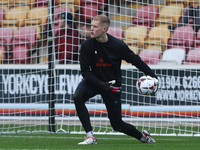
pixel 29 82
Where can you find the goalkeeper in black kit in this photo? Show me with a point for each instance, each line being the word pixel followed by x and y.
pixel 100 62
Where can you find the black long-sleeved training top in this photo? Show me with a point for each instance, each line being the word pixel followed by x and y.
pixel 101 62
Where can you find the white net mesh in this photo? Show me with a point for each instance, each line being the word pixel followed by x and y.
pixel 164 33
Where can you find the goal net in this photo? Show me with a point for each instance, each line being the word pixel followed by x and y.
pixel 39 56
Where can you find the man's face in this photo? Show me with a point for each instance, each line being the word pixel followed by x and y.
pixel 97 30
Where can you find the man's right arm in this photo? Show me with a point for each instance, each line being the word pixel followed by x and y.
pixel 85 64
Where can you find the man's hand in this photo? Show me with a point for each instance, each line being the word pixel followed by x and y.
pixel 156 85
pixel 112 89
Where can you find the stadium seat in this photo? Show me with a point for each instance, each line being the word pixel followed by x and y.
pixel 193 57
pixel 24 2
pixel 37 15
pixel 76 2
pixel 170 14
pixel 6 39
pixel 59 10
pixel 183 37
pixel 6 2
pixel 135 36
pixel 197 41
pixel 170 2
pixel 90 8
pixel 27 35
pixel 150 56
pixel 4 7
pixel 174 55
pixel 2 14
pixel 158 38
pixel 118 32
pixel 16 16
pixel 88 11
pixel 146 16
pixel 24 43
pixel 42 3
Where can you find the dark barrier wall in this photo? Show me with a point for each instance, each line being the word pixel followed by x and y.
pixel 177 86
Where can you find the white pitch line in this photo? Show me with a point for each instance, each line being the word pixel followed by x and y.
pixel 125 139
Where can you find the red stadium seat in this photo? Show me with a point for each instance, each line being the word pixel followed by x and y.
pixel 193 57
pixel 6 39
pixel 88 11
pixel 150 56
pixel 117 32
pixel 146 16
pixel 20 53
pixel 90 8
pixel 26 35
pixel 2 14
pixel 183 37
pixel 197 41
pixel 24 43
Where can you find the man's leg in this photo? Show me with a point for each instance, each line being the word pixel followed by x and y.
pixel 113 104
pixel 83 92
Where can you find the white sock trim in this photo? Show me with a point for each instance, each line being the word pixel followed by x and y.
pixel 90 134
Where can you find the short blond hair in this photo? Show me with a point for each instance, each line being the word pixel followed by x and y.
pixel 103 19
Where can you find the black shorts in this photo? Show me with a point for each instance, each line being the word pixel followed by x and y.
pixel 111 100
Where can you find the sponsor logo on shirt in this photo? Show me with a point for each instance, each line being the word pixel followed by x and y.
pixel 102 64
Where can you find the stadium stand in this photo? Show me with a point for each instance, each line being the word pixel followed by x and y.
pixel 6 2
pixel 37 15
pixel 170 14
pixel 174 55
pixel 193 57
pixel 2 14
pixel 150 56
pixel 57 11
pixel 118 32
pixel 24 44
pixel 197 40
pixel 90 8
pixel 158 38
pixel 135 37
pixel 6 39
pixel 169 2
pixel 24 2
pixel 42 3
pixel 155 34
pixel 183 37
pixel 16 16
pixel 146 16
pixel 88 11
pixel 70 44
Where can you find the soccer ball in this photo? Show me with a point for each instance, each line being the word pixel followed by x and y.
pixel 145 85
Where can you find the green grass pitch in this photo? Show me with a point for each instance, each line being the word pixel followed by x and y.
pixel 105 142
